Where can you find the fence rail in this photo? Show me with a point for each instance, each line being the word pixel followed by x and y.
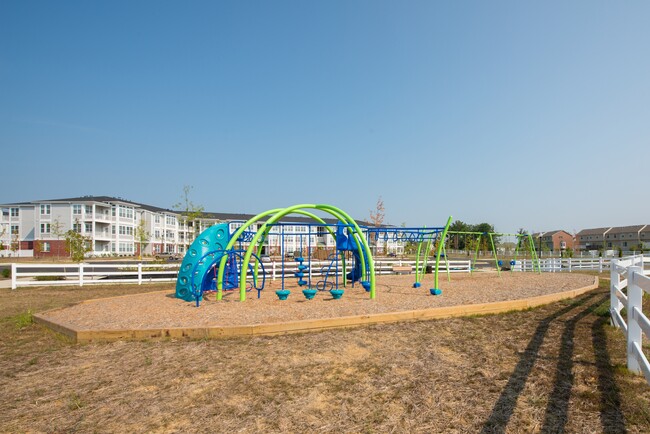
pixel 628 282
pixel 89 274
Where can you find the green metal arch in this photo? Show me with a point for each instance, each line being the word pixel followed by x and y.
pixel 278 213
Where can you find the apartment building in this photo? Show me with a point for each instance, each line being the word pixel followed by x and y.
pixel 625 238
pixel 112 226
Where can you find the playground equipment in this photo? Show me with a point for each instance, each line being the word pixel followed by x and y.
pixel 523 240
pixel 223 258
pixel 213 262
pixel 222 261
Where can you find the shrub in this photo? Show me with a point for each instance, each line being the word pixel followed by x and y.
pixel 6 273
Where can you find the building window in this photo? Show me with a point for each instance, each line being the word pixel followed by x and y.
pixel 157 219
pixel 126 230
pixel 89 209
pixel 14 229
pixel 77 227
pixel 76 209
pixel 15 212
pixel 45 228
pixel 113 214
pixel 45 247
pixel 88 228
pixel 126 212
pixel 170 220
pixel 46 210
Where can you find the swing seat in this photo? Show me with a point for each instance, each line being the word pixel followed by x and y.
pixel 366 285
pixel 302 282
pixel 417 285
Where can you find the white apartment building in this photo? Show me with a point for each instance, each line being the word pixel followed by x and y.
pixel 112 226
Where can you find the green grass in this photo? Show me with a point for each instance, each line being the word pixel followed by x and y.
pixel 24 319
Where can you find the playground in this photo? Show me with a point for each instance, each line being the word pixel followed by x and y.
pixel 223 288
pixel 159 314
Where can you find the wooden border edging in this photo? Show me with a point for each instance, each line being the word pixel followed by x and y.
pixel 310 325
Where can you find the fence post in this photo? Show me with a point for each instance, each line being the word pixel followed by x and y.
pixel 273 270
pixel 14 280
pixel 600 264
pixel 81 274
pixel 634 300
pixel 614 303
pixel 140 273
pixel 570 265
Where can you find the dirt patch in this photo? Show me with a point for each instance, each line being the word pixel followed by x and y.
pixel 394 294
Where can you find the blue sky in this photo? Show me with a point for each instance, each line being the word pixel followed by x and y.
pixel 521 114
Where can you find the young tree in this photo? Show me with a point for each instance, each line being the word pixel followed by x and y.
pixel 141 236
pixel 377 219
pixel 3 231
pixel 77 245
pixel 190 210
pixel 56 228
pixel 15 243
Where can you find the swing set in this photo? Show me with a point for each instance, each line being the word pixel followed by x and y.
pixel 477 237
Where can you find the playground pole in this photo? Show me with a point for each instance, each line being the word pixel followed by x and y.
pixel 439 250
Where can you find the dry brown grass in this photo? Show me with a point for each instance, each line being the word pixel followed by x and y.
pixel 556 368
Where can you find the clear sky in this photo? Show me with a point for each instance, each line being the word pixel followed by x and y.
pixel 520 114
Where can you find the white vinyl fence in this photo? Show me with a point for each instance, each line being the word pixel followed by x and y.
pixel 556 265
pixel 629 281
pixel 88 274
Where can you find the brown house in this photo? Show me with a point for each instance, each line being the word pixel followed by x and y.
pixel 554 241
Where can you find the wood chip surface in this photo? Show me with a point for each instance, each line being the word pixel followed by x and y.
pixel 394 294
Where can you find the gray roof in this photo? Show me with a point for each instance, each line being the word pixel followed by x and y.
pixel 594 231
pixel 626 229
pixel 549 233
pixel 206 215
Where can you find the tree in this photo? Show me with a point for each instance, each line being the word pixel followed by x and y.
pixel 377 219
pixel 190 210
pixel 56 228
pixel 3 231
pixel 15 242
pixel 141 236
pixel 77 245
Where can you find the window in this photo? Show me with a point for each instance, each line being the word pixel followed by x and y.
pixel 77 227
pixel 14 229
pixel 45 228
pixel 89 209
pixel 46 210
pixel 113 214
pixel 113 229
pixel 157 220
pixel 126 212
pixel 88 228
pixel 76 209
pixel 14 212
pixel 126 230
pixel 170 220
pixel 45 247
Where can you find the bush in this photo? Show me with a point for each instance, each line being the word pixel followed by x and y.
pixel 48 278
pixel 6 273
